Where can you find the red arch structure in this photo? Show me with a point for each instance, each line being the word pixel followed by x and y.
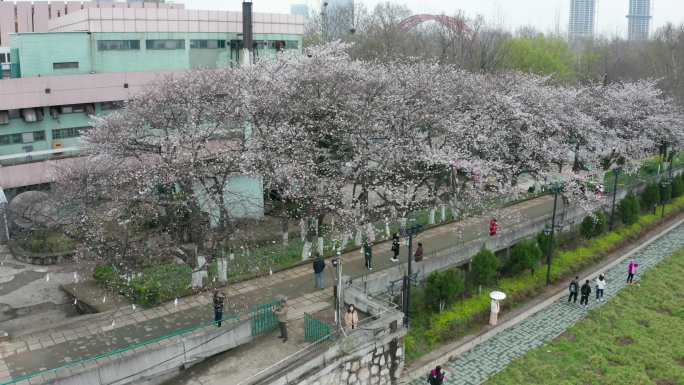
pixel 453 23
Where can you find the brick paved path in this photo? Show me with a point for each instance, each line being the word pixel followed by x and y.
pixel 492 356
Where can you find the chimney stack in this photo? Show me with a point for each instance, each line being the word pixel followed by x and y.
pixel 247 34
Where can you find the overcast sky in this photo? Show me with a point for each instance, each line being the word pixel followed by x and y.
pixel 543 14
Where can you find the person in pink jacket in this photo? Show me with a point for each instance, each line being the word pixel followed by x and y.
pixel 631 271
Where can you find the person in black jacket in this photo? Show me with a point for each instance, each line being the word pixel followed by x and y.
pixel 585 291
pixel 395 248
pixel 318 267
pixel 574 289
pixel 219 299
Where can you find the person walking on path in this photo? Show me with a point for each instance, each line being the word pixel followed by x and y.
pixel 219 300
pixel 318 267
pixel 585 291
pixel 494 314
pixel 351 318
pixel 281 312
pixel 574 288
pixel 418 255
pixel 436 376
pixel 395 248
pixel 600 287
pixel 493 227
pixel 368 254
pixel 631 271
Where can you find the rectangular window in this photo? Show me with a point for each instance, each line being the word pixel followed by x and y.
pixel 38 136
pixel 2 58
pixel 11 139
pixel 115 105
pixel 65 65
pixel 118 45
pixel 71 109
pixel 72 132
pixel 32 114
pixel 207 44
pixel 165 44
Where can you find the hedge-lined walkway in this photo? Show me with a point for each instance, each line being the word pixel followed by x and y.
pixel 492 356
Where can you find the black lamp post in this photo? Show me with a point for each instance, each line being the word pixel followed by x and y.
pixel 556 188
pixel 612 207
pixel 410 233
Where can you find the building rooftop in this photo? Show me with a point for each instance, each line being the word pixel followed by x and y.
pixel 172 20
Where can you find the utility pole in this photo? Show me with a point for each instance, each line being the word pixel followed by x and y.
pixel 411 231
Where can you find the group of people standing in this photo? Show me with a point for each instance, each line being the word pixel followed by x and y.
pixel 600 283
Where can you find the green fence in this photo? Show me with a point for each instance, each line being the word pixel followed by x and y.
pixel 315 330
pixel 263 318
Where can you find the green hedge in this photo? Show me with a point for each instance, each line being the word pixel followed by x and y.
pixel 156 284
pixel 463 316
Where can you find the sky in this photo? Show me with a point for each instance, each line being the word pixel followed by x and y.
pixel 542 14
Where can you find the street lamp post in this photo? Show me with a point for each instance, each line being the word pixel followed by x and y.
pixel 556 189
pixel 612 208
pixel 410 232
pixel 337 263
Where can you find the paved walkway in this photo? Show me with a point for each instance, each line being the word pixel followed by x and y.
pixel 492 356
pixel 92 335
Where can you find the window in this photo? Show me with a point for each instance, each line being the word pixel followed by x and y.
pixel 4 117
pixel 32 114
pixel 115 105
pixel 65 65
pixel 292 44
pixel 64 133
pixel 165 44
pixel 118 45
pixel 10 139
pixel 14 114
pixel 38 136
pixel 89 109
pixel 208 44
pixel 74 108
pixel 2 58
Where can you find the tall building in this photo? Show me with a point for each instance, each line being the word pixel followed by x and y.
pixel 639 19
pixel 91 61
pixel 582 19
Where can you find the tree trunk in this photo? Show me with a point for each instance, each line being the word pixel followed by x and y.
pixel 302 229
pixel 387 229
pixel 319 233
pixel 431 219
pixel 358 238
pixel 284 223
pixel 443 217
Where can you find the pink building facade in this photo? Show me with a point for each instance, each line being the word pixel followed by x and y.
pixel 26 16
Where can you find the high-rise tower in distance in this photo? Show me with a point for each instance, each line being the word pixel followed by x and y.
pixel 582 19
pixel 639 19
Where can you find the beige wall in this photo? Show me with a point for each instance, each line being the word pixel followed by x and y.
pixel 172 20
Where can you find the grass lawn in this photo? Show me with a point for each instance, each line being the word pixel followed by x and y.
pixel 637 338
